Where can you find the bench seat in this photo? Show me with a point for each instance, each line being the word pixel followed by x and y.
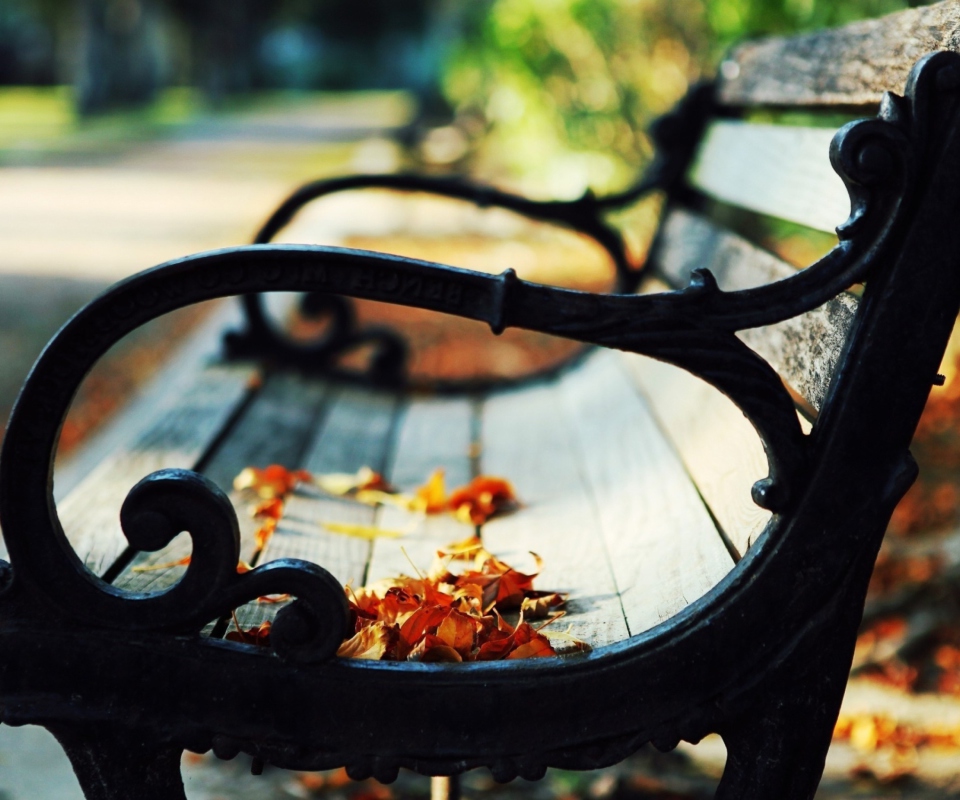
pixel 607 502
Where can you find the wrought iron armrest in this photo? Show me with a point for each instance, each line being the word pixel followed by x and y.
pixel 676 136
pixel 694 328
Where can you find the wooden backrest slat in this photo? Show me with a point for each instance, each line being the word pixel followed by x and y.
pixel 849 66
pixel 805 349
pixel 780 170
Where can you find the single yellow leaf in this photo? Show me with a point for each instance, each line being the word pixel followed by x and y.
pixel 361 531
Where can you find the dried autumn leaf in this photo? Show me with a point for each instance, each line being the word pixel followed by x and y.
pixel 260 635
pixel 373 642
pixel 539 605
pixel 341 484
pixel 273 598
pixel 459 631
pixel 264 533
pixel 433 649
pixel 182 562
pixel 567 638
pixel 480 499
pixel 361 531
pixel 270 509
pixel 432 496
pixel 270 482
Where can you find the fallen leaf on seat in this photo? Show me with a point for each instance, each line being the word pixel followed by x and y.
pixel 270 482
pixel 361 531
pixel 182 562
pixel 259 635
pixel 539 605
pixel 432 496
pixel 453 613
pixel 264 533
pixel 364 479
pixel 480 499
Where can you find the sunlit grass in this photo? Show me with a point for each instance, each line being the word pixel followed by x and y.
pixel 44 119
pixel 40 121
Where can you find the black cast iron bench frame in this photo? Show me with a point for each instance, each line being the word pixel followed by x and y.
pixel 125 682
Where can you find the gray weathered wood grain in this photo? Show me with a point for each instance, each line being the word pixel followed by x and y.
pixel 664 547
pixel 120 432
pixel 779 170
pixel 433 433
pixel 804 350
pixel 178 436
pixel 274 429
pixel 528 439
pixel 356 431
pixel 719 447
pixel 848 66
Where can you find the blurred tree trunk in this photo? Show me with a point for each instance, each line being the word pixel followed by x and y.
pixel 120 57
pixel 225 35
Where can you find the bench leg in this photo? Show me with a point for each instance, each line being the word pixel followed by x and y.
pixel 777 746
pixel 445 788
pixel 121 764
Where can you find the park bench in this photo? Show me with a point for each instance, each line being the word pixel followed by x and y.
pixel 714 511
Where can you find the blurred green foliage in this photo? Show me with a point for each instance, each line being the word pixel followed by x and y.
pixel 566 88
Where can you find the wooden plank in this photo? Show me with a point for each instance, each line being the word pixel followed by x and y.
pixel 179 435
pixel 720 449
pixel 433 433
pixel 273 429
pixel 804 350
pixel 779 170
pixel 357 431
pixel 664 548
pixel 849 66
pixel 120 433
pixel 528 438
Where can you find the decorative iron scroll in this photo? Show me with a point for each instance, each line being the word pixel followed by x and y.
pixel 675 136
pixel 882 161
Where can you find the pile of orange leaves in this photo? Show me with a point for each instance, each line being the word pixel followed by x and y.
pixel 453 613
pixel 453 616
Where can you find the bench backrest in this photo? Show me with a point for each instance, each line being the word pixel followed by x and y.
pixel 761 172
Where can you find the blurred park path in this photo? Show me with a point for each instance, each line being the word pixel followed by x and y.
pixel 82 209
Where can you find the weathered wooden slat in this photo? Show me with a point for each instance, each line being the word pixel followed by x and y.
pixel 849 66
pixel 202 348
pixel 664 548
pixel 357 431
pixel 805 349
pixel 178 436
pixel 527 438
pixel 779 170
pixel 433 433
pixel 273 429
pixel 719 447
pixel 122 431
